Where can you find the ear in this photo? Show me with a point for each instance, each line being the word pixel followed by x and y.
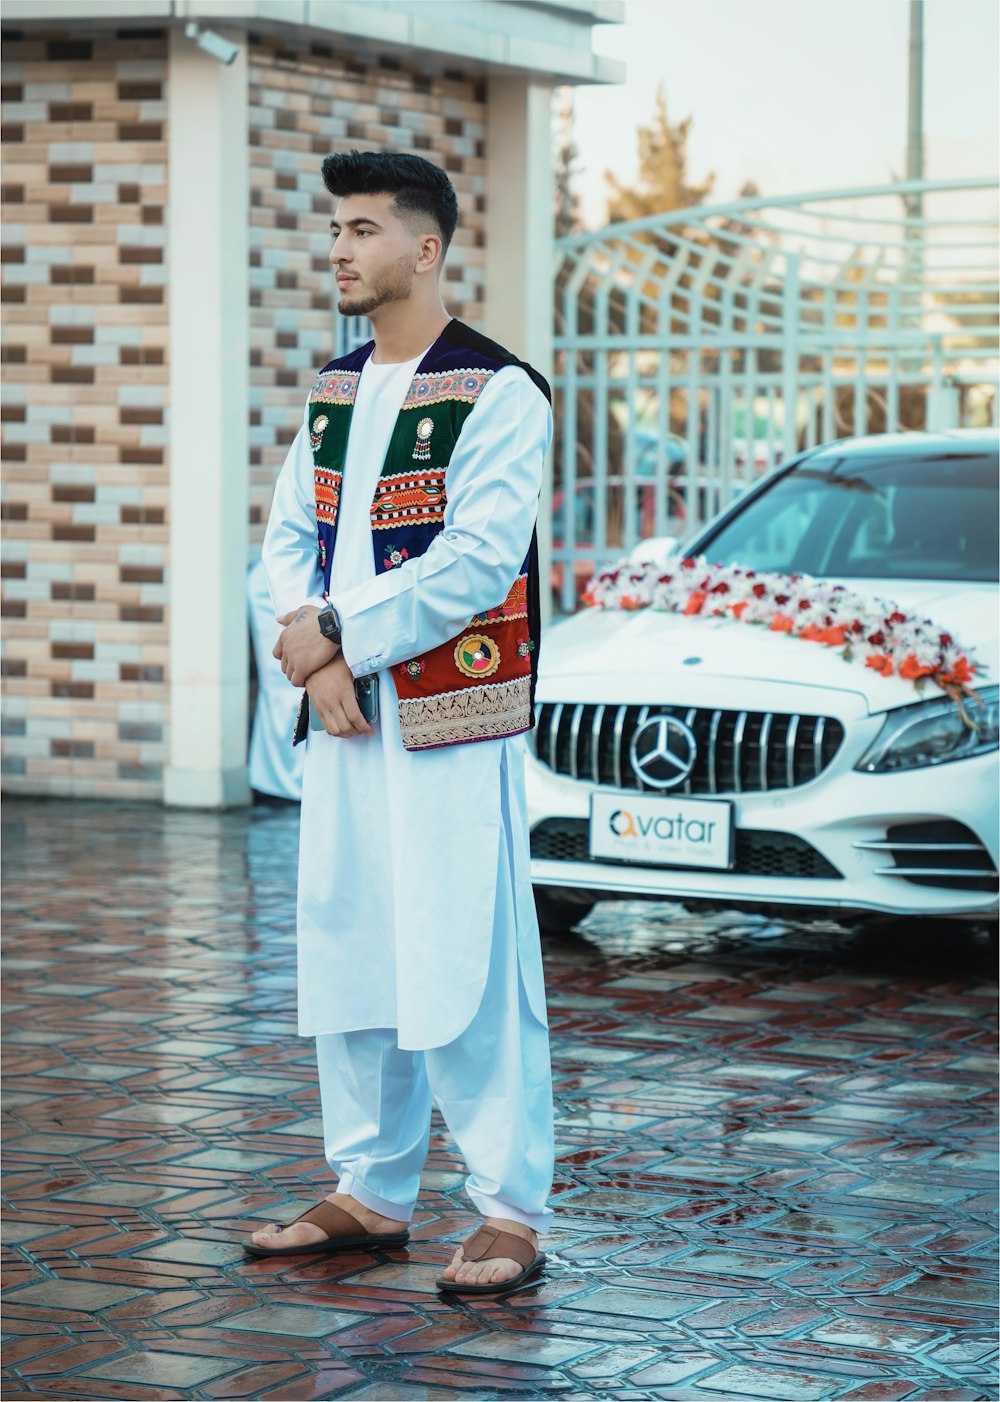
pixel 431 254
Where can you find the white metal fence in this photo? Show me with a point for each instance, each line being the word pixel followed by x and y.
pixel 697 349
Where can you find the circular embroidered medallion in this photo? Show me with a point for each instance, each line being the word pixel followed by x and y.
pixel 477 656
pixel 425 428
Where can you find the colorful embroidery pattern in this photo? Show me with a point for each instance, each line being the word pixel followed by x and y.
pixel 336 387
pixel 464 385
pixel 394 558
pixel 413 668
pixel 316 432
pixel 514 606
pixel 474 713
pixel 422 447
pixel 525 647
pixel 417 498
pixel 476 655
pixel 328 485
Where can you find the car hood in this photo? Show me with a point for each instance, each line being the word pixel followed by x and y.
pixel 640 648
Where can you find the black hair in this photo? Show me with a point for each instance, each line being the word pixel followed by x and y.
pixel 419 187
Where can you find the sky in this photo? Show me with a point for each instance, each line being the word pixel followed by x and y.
pixel 797 95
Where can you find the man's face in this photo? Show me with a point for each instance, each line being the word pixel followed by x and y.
pixel 374 253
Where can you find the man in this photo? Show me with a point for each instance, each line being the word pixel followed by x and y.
pixel 401 546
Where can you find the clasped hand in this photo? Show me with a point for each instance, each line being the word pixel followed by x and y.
pixel 301 647
pixel 310 660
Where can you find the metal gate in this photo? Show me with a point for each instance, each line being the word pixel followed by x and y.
pixel 697 349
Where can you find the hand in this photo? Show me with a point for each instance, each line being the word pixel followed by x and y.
pixel 331 691
pixel 302 649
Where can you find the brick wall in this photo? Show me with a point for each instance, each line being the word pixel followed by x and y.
pixel 85 384
pixel 85 339
pixel 305 103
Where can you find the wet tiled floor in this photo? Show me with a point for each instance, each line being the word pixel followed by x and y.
pixel 776 1150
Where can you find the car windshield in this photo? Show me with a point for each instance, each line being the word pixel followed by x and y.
pixel 870 517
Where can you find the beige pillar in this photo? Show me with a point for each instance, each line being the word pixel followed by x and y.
pixel 519 244
pixel 209 415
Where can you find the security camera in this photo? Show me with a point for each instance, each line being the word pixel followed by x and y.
pixel 212 43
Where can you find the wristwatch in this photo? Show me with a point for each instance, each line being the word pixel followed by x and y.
pixel 329 624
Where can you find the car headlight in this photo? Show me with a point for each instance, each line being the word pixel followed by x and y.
pixel 934 732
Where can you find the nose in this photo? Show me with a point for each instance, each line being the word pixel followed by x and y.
pixel 335 257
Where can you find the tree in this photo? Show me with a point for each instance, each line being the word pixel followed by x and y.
pixel 567 213
pixel 662 182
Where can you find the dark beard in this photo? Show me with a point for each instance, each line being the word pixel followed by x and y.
pixel 392 285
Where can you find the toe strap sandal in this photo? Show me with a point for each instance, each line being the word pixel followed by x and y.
pixel 342 1234
pixel 491 1244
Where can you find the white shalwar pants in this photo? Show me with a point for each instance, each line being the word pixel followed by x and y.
pixel 493 1085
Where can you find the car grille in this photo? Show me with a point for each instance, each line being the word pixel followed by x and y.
pixel 757 853
pixel 738 751
pixel 940 853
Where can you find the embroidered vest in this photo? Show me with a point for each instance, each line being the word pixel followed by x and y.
pixel 481 684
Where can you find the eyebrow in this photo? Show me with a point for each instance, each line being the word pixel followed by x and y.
pixel 355 223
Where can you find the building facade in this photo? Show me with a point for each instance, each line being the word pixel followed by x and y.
pixel 167 300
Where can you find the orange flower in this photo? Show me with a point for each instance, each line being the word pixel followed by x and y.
pixel 960 675
pixel 694 603
pixel 781 623
pixel 588 599
pixel 880 663
pixel 910 669
pixel 738 608
pixel 629 601
pixel 832 637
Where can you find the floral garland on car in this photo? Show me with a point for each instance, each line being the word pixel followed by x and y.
pixel 879 633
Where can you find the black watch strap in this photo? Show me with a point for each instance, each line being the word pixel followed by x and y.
pixel 329 624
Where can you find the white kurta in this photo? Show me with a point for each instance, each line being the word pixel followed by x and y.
pixel 398 849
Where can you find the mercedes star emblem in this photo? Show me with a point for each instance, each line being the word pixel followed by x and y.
pixel 663 752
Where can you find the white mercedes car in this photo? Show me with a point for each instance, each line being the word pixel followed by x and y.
pixel 705 760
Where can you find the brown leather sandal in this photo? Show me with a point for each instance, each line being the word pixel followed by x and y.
pixel 342 1234
pixel 491 1244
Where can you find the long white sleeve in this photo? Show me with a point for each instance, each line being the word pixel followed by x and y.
pixel 493 484
pixel 290 550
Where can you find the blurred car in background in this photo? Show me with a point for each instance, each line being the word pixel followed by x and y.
pixel 811 782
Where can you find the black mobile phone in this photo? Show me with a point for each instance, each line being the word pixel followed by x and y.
pixel 366 691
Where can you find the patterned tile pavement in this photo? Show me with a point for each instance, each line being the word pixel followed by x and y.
pixel 775 1173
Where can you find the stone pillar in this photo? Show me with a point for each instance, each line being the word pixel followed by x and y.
pixel 209 415
pixel 520 259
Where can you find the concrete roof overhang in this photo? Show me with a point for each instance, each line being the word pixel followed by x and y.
pixel 547 39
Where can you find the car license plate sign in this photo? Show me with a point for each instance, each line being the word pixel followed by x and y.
pixel 648 828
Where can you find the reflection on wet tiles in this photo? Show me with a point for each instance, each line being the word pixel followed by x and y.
pixel 757 1071
pixel 881 1334
pixel 162 1369
pixel 814 1224
pixel 235 1159
pixel 606 1119
pixel 72 1295
pixel 54 1144
pixel 744 1204
pixel 908 1190
pixel 736 1263
pixel 94 1071
pixel 788 1385
pixel 295 1320
pixel 118 1194
pixel 790 1139
pixel 157 1112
